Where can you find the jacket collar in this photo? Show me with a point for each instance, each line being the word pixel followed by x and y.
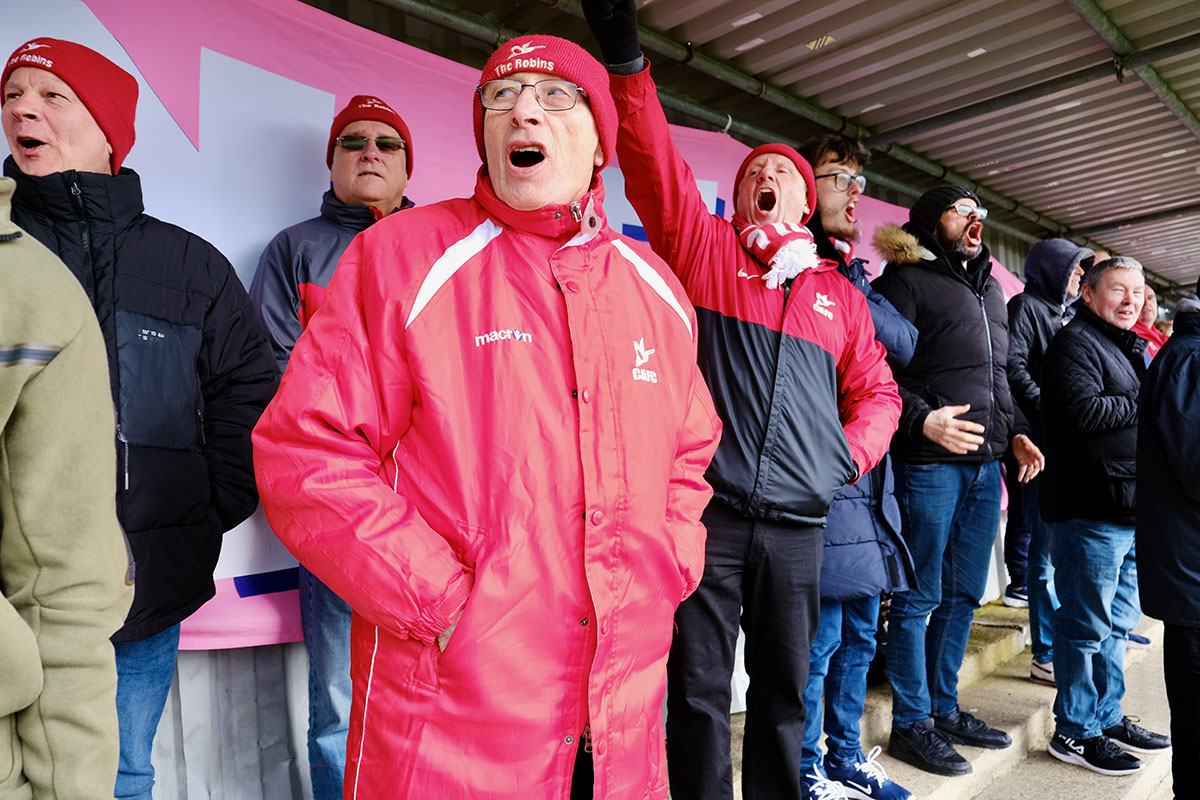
pixel 584 218
pixel 8 228
pixel 353 217
pixel 105 199
pixel 1129 342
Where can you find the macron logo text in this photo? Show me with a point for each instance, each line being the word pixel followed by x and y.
pixel 506 334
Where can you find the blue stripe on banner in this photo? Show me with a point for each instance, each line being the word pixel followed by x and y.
pixel 281 580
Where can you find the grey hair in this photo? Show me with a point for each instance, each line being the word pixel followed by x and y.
pixel 1100 269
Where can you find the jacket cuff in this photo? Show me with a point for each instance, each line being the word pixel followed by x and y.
pixel 438 618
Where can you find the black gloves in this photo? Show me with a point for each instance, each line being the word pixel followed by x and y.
pixel 614 24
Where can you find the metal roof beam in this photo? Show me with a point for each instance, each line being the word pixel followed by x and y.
pixel 1157 216
pixel 1112 68
pixel 1114 38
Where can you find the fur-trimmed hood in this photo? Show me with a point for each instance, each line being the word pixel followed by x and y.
pixel 897 246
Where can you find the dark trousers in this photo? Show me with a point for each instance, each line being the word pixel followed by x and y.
pixel 1017 531
pixel 1181 667
pixel 765 575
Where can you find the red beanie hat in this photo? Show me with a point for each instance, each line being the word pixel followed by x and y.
pixel 364 106
pixel 805 168
pixel 563 59
pixel 108 92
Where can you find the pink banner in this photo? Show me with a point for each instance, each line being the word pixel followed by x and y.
pixel 237 98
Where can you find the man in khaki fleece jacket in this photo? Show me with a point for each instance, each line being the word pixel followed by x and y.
pixel 65 577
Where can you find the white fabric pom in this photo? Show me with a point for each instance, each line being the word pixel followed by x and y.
pixel 792 259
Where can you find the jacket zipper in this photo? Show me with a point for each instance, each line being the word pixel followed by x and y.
pixel 587 738
pixel 200 417
pixel 124 455
pixel 987 329
pixel 86 237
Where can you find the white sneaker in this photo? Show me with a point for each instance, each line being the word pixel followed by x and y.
pixel 1042 673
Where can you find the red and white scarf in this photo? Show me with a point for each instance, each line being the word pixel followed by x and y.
pixel 784 249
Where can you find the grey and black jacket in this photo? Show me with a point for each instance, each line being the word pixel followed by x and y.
pixel 190 371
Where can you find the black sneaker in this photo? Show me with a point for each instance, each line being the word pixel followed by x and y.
pixel 1135 738
pixel 1098 754
pixel 962 728
pixel 926 748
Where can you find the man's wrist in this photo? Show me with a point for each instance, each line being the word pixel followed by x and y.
pixel 631 67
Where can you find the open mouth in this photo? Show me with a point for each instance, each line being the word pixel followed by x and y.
pixel 850 214
pixel 523 157
pixel 29 143
pixel 766 200
pixel 975 232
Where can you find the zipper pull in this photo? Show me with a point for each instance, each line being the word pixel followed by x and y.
pixel 577 211
pixel 124 455
pixel 200 417
pixel 587 738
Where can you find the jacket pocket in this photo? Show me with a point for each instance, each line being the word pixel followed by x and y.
pixel 160 403
pixel 1121 478
pixel 20 663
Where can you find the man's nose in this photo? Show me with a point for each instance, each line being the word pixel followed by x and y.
pixel 527 104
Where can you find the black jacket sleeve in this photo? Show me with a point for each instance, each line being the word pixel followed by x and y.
pixel 238 377
pixel 1074 397
pixel 1021 332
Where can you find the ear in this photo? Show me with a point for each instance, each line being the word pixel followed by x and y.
pixel 598 158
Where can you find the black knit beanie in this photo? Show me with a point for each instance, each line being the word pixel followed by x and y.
pixel 928 209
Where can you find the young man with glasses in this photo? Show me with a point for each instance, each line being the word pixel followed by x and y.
pixel 370 159
pixel 957 422
pixel 808 405
pixel 492 444
pixel 864 553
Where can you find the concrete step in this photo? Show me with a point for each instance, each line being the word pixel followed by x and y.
pixel 994 684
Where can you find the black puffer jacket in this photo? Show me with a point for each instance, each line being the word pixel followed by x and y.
pixel 1168 484
pixel 191 372
pixel 1089 413
pixel 962 349
pixel 1035 315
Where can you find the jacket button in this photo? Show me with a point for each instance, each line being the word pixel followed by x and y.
pixel 571 286
pixel 568 739
pixel 587 398
pixel 604 628
pixel 600 748
pixel 584 622
pixel 597 517
pixel 574 393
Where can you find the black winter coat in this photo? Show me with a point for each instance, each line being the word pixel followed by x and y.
pixel 1035 316
pixel 865 552
pixel 1089 414
pixel 190 368
pixel 1168 482
pixel 962 350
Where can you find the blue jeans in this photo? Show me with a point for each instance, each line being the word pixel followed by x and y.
pixel 144 673
pixel 325 618
pixel 838 662
pixel 1043 601
pixel 950 514
pixel 1095 568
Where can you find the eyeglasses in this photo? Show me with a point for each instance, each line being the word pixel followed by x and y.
pixel 386 144
pixel 964 210
pixel 551 94
pixel 842 180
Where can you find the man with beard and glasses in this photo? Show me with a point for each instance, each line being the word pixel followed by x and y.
pixel 864 553
pixel 956 424
pixel 808 405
